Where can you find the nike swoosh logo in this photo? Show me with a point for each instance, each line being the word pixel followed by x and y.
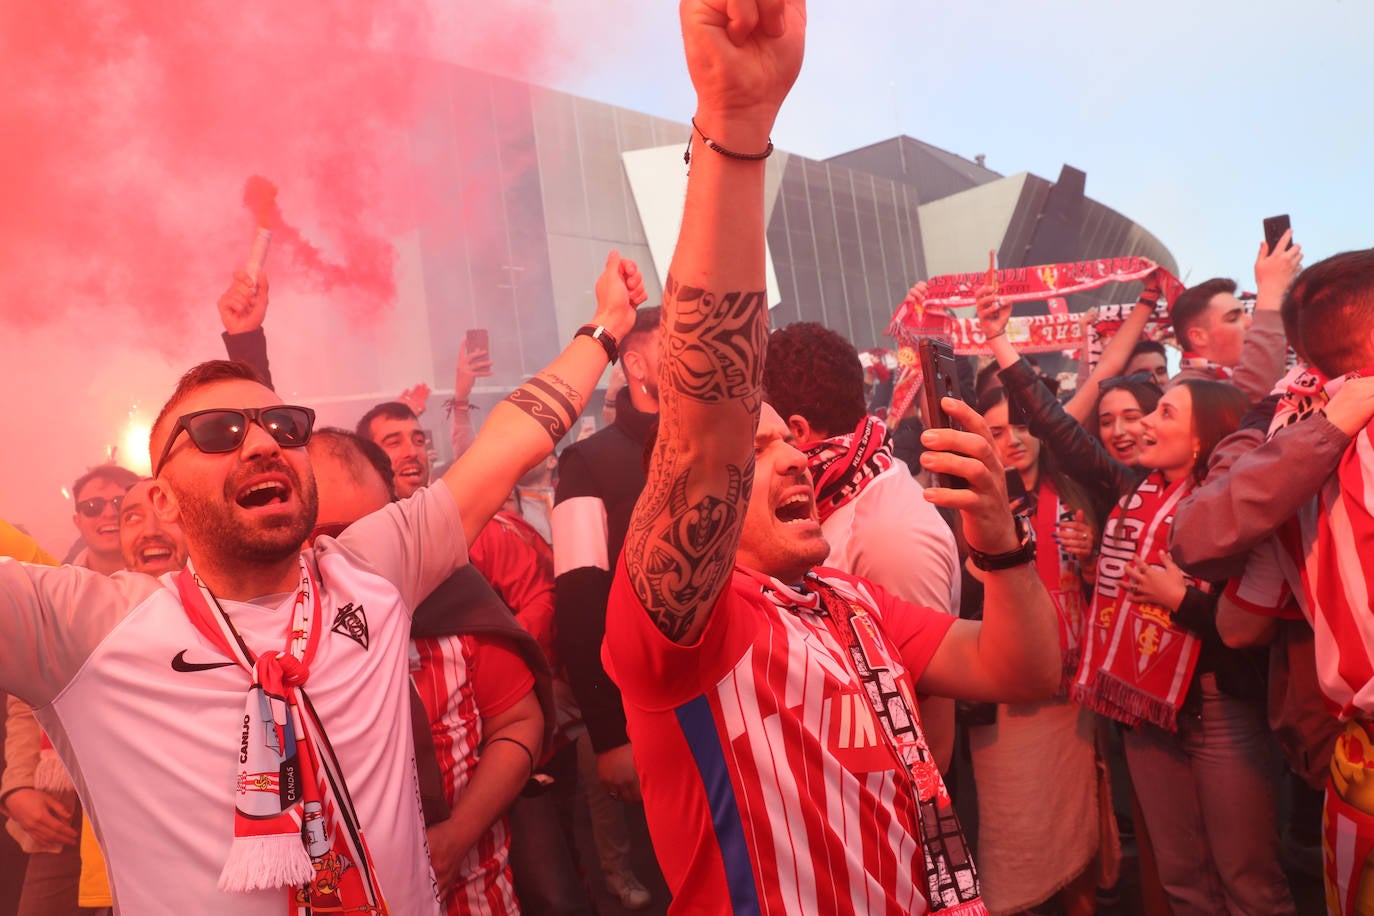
pixel 179 663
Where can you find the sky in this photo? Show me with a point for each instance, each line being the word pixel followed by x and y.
pixel 1195 120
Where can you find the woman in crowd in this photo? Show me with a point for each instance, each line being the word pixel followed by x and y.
pixel 1196 738
pixel 1036 765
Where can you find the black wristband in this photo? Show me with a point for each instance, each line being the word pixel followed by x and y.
pixel 602 336
pixel 1019 556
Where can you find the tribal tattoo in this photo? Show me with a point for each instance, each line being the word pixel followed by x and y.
pixel 549 401
pixel 715 343
pixel 679 566
pixel 680 549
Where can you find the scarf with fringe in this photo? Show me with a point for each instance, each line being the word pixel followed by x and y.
pixel 294 823
pixel 1137 663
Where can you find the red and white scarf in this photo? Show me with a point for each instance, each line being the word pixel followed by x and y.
pixel 843 465
pixel 294 822
pixel 1137 664
pixel 1203 364
pixel 1060 572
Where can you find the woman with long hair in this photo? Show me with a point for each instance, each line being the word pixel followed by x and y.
pixel 1035 765
pixel 1195 736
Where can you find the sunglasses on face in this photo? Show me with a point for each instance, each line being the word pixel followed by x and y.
pixel 91 508
pixel 223 429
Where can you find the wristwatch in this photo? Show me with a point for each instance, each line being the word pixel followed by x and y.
pixel 1023 553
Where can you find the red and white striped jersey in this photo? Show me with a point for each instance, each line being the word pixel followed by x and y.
pixel 1318 558
pixel 770 784
pixel 461 679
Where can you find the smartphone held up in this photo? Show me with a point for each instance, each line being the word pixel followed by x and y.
pixel 939 379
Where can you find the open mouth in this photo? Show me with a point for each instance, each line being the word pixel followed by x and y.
pixel 1123 445
pixel 794 509
pixel 411 472
pixel 107 530
pixel 155 552
pixel 263 493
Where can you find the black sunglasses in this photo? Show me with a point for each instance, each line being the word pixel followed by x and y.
pixel 1135 378
pixel 92 507
pixel 222 429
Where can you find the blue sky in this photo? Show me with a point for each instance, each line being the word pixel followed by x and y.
pixel 1196 120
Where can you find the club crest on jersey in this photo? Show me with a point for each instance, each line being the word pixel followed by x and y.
pixel 351 621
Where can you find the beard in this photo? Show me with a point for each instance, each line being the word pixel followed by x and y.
pixel 218 523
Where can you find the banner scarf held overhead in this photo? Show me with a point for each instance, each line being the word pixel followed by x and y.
pixel 294 822
pixel 1018 284
pixel 1137 663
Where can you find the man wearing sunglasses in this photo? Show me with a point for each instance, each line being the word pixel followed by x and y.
pixel 239 733
pixel 97 495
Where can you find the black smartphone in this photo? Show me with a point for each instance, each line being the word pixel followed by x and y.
pixel 939 379
pixel 1274 228
pixel 478 341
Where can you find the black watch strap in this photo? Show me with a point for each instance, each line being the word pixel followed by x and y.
pixel 1019 556
pixel 602 336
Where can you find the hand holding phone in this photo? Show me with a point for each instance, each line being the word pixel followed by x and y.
pixel 939 379
pixel 1274 228
pixel 478 341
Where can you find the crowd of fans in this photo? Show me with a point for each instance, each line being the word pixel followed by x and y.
pixel 298 667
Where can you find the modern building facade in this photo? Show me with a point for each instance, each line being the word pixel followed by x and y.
pixel 529 187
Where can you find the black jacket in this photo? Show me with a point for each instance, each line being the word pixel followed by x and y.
pixel 605 474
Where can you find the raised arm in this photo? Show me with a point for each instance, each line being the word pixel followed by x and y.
pixel 1114 356
pixel 242 310
pixel 524 428
pixel 471 367
pixel 1078 451
pixel 681 543
pixel 1266 345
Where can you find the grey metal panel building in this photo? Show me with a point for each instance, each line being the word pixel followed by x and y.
pixel 531 191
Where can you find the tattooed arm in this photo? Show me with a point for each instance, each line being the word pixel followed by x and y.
pixel 524 428
pixel 680 548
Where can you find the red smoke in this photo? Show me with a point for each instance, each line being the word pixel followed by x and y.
pixel 127 133
pixel 260 197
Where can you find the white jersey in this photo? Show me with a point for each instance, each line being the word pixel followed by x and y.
pixel 146 715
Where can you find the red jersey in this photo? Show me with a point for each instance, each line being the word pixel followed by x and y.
pixel 770 783
pixel 461 680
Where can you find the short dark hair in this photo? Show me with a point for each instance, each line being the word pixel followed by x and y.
pixel 646 322
pixel 1217 409
pixel 120 477
pixel 356 453
pixel 1147 346
pixel 390 410
pixel 206 373
pixel 813 372
pixel 1190 306
pixel 1332 303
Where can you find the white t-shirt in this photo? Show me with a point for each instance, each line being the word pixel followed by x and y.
pixel 124 686
pixel 890 535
